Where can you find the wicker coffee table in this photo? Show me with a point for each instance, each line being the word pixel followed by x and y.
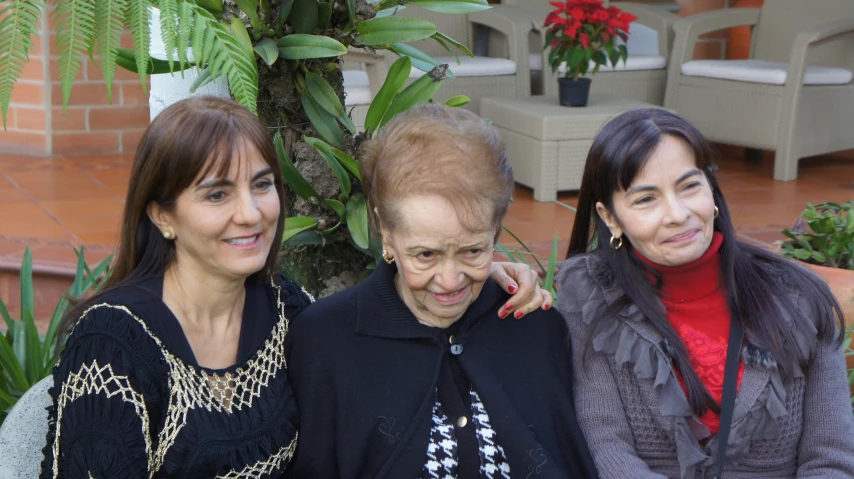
pixel 547 144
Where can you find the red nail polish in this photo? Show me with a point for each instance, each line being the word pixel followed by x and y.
pixel 502 314
pixel 519 314
pixel 512 288
pixel 547 307
pixel 508 307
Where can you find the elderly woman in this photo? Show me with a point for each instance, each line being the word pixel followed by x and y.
pixel 177 368
pixel 412 373
pixel 696 355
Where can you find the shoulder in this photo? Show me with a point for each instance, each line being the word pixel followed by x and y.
pixel 292 295
pixel 581 279
pixel 324 323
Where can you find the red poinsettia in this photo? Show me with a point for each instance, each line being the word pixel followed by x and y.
pixel 581 32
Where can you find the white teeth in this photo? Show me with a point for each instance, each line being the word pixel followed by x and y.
pixel 242 240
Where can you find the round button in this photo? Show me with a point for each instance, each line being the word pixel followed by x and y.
pixel 457 349
pixel 451 339
pixel 462 421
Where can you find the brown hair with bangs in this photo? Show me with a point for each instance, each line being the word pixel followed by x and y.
pixel 187 142
pixel 433 149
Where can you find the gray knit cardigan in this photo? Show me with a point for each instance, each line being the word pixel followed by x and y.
pixel 638 422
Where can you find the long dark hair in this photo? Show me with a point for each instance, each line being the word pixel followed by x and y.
pixel 186 142
pixel 619 152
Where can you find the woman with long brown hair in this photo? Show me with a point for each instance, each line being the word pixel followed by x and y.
pixel 177 368
pixel 695 354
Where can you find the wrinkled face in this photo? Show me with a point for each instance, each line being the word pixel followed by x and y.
pixel 442 266
pixel 668 211
pixel 226 226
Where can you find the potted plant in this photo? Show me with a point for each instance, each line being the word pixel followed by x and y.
pixel 581 33
pixel 823 239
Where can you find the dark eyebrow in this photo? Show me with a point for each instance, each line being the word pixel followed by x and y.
pixel 227 182
pixel 639 188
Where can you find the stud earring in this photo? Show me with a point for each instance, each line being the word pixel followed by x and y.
pixel 388 259
pixel 170 235
pixel 619 245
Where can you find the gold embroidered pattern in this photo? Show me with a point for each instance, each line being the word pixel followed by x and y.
pixel 97 379
pixel 191 388
pixel 276 461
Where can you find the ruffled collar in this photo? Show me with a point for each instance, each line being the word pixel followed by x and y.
pixel 692 281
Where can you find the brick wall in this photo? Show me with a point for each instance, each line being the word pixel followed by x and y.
pixel 91 124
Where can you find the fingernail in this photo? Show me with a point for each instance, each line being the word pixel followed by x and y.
pixel 502 314
pixel 508 307
pixel 519 314
pixel 512 288
pixel 547 307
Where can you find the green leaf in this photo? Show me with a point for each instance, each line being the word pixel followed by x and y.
pixel 33 349
pixel 6 399
pixel 250 8
pixel 441 36
pixel 802 254
pixel 419 59
pixel 126 59
pixel 348 123
pixel 458 101
pixel 291 175
pixel 337 207
pixel 7 318
pixel 348 163
pixel 325 124
pixel 300 47
pixel 267 50
pixel 284 11
pixel 108 17
pixel 26 278
pixel 306 238
pixel 351 10
pixel 10 365
pixel 326 152
pixel 297 224
pixel 819 257
pixel 324 14
pixel 212 6
pixel 419 91
pixel 322 93
pixel 140 29
pixel 201 80
pixel 452 6
pixel 304 16
pixel 19 20
pixel 381 31
pixel 75 26
pixel 242 36
pixel 357 220
pixel 398 73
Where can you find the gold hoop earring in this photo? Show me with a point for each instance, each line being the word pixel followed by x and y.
pixel 170 235
pixel 388 259
pixel 717 212
pixel 619 245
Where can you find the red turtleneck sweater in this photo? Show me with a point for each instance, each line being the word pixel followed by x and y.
pixel 696 305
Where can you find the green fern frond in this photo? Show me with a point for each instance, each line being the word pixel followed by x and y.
pixel 75 27
pixel 215 47
pixel 169 27
pixel 138 16
pixel 185 31
pixel 18 21
pixel 108 17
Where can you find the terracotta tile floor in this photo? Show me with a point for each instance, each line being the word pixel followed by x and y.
pixel 54 204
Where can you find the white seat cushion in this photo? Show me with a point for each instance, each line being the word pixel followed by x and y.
pixel 357 88
pixel 761 71
pixel 474 66
pixel 634 62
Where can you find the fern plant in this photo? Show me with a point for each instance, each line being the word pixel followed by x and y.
pixel 296 88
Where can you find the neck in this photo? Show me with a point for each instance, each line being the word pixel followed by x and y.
pixel 421 314
pixel 693 280
pixel 202 298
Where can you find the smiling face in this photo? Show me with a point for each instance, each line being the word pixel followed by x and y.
pixel 442 266
pixel 667 213
pixel 225 226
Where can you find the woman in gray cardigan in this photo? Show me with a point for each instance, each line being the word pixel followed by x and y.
pixel 650 291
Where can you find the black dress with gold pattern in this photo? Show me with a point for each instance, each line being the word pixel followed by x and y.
pixel 130 400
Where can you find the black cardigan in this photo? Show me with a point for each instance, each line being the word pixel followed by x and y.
pixel 364 372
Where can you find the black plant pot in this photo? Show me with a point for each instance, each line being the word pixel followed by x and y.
pixel 573 92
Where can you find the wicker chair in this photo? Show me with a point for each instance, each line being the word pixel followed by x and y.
pixel 794 95
pixel 494 70
pixel 641 78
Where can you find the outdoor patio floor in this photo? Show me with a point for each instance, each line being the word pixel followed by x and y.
pixel 54 204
